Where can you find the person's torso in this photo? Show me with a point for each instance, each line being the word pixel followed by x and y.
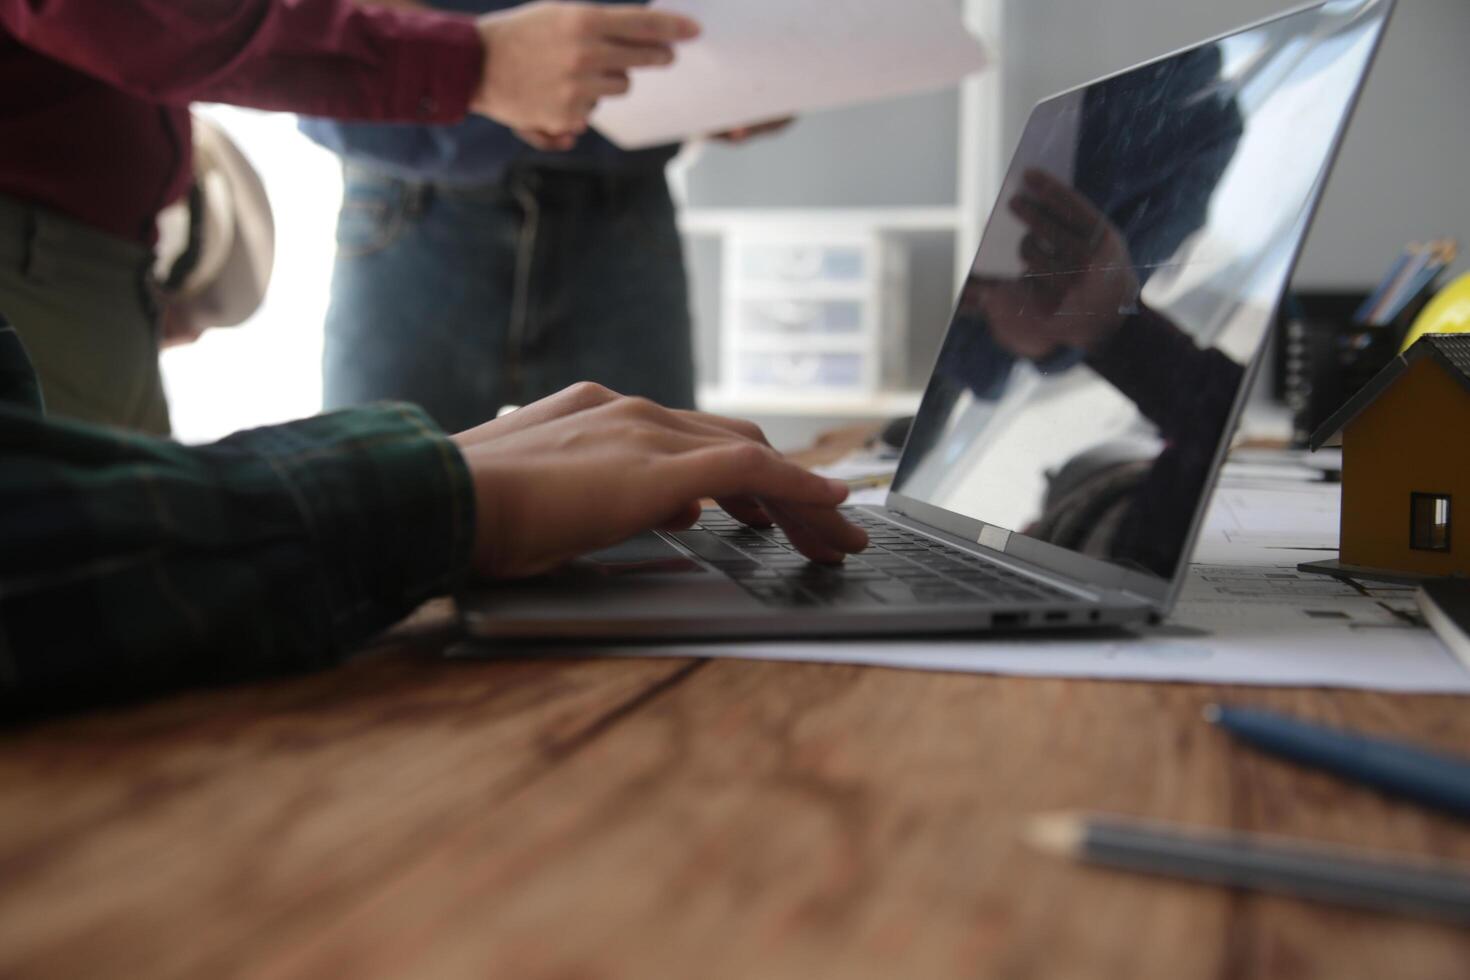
pixel 78 146
pixel 475 151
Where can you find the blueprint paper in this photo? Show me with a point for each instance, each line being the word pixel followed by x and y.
pixel 1221 633
pixel 758 60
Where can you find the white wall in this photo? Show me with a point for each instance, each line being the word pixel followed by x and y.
pixel 268 369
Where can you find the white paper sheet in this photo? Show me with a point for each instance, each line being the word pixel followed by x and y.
pixel 1221 633
pixel 1257 522
pixel 763 59
pixel 864 465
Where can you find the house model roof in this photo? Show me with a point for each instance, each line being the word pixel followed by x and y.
pixel 1451 350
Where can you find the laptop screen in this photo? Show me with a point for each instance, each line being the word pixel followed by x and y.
pixel 1125 285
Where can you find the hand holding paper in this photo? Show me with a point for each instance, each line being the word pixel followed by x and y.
pixel 757 60
pixel 547 64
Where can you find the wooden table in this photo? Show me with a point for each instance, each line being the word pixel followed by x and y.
pixel 410 817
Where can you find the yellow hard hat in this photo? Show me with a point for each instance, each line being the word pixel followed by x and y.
pixel 1448 312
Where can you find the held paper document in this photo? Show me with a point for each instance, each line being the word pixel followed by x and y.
pixel 764 59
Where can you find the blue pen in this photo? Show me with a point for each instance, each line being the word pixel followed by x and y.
pixel 1431 778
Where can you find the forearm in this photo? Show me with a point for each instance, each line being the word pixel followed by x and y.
pixel 317 57
pixel 130 565
pixel 1186 400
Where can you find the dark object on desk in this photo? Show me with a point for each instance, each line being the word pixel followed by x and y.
pixel 896 431
pixel 1434 779
pixel 1301 869
pixel 1405 465
pixel 1331 344
pixel 1323 357
pixel 1446 607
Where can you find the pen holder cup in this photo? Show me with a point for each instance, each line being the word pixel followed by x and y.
pixel 1324 357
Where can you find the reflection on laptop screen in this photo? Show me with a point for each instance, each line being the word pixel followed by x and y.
pixel 1125 282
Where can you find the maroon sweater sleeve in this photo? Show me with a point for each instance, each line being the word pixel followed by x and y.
pixel 316 57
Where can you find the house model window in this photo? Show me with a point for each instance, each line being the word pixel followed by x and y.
pixel 1429 521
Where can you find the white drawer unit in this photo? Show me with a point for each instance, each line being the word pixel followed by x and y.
pixel 770 261
pixel 807 313
pixel 802 370
pixel 812 249
pixel 832 316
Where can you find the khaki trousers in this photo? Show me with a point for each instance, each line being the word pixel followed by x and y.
pixel 81 302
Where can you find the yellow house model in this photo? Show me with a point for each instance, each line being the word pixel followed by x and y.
pixel 1406 465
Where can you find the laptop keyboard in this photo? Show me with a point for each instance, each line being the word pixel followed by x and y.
pixel 900 567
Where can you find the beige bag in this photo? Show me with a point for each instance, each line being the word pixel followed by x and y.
pixel 216 247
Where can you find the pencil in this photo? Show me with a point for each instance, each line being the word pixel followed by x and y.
pixel 1432 778
pixel 1235 860
pixel 1365 311
pixel 868 482
pixel 1419 255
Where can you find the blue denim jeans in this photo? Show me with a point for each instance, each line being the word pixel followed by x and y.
pixel 466 299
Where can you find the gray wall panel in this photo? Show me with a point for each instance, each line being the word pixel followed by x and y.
pixel 1404 172
pixel 902 153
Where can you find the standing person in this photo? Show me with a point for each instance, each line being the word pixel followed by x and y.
pixel 479 266
pixel 95 136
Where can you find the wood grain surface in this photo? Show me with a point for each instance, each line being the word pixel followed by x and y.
pixel 562 818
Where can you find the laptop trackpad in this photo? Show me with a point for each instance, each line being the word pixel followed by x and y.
pixel 646 552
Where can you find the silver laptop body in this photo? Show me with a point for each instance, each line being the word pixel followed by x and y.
pixel 1061 461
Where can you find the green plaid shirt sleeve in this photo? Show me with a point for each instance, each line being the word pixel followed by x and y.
pixel 130 564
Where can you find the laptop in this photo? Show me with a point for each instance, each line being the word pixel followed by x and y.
pixel 1062 458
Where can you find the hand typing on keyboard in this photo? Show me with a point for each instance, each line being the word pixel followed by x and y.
pixel 587 468
pixel 900 567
